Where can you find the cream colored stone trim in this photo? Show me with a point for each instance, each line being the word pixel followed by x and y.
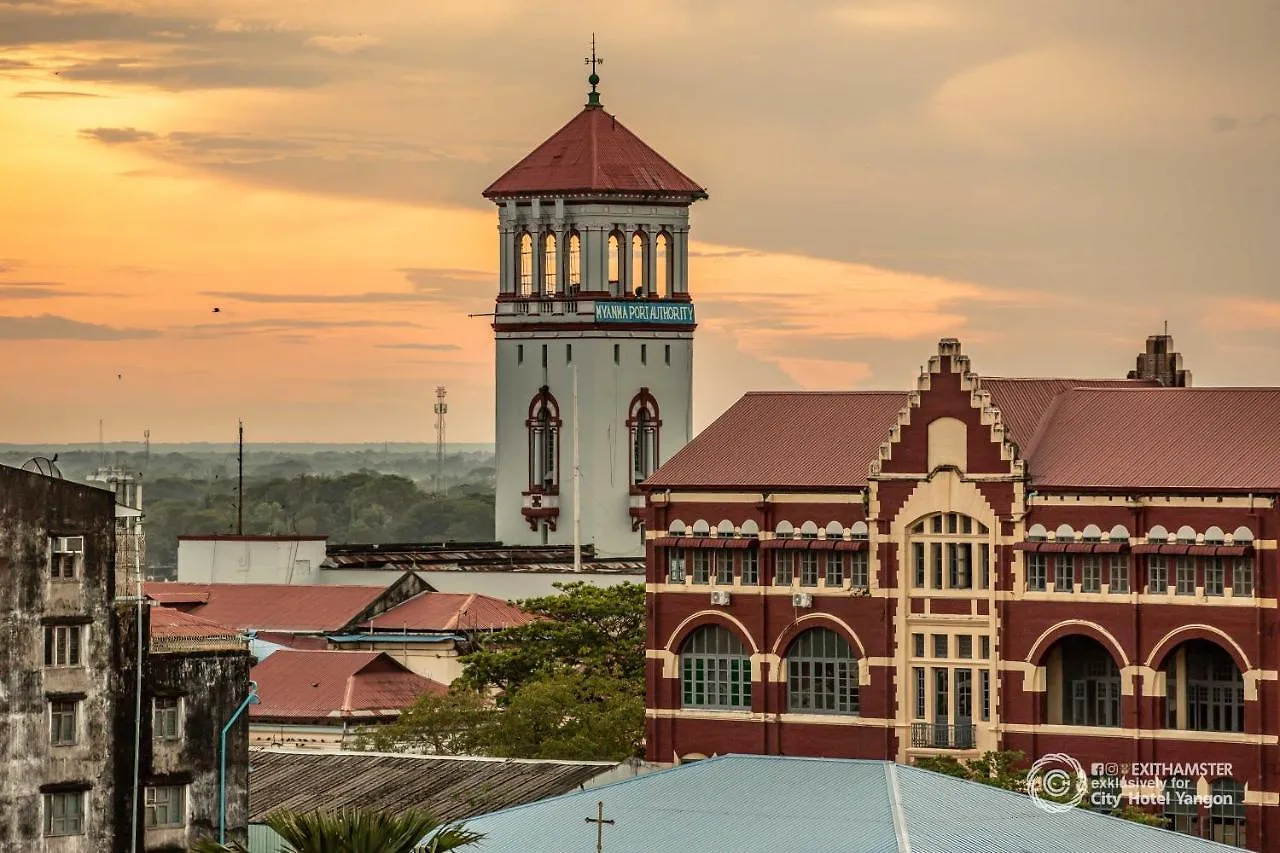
pixel 1261 798
pixel 772 717
pixel 1168 641
pixel 1082 623
pixel 1224 501
pixel 816 498
pixel 712 497
pixel 1021 594
pixel 1141 734
pixel 721 613
pixel 701 714
pixel 670 661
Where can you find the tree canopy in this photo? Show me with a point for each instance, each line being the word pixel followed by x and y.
pixel 357 831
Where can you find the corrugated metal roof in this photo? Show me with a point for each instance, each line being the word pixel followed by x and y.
pixel 594 154
pixel 433 612
pixel 473 557
pixel 787 439
pixel 1162 438
pixel 452 788
pixel 282 607
pixel 1023 402
pixel 296 686
pixel 765 804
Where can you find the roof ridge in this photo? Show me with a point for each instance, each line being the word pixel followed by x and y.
pixel 806 392
pixel 1042 426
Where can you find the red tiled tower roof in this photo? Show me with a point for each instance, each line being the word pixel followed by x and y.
pixel 594 154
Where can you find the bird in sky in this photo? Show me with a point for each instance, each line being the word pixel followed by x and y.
pixel 217 310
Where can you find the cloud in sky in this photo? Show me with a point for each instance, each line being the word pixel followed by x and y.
pixel 51 327
pixel 1049 181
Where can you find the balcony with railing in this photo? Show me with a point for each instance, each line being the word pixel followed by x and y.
pixel 594 307
pixel 943 736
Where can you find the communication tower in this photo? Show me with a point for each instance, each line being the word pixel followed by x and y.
pixel 441 409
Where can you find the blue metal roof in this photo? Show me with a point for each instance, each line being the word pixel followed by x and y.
pixel 262 649
pixel 766 804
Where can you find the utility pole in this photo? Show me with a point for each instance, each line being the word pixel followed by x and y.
pixel 240 484
pixel 441 409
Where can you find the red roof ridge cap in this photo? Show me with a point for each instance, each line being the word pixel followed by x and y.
pixel 1045 420
pixel 348 693
pixel 805 392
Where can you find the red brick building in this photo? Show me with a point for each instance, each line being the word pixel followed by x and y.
pixel 1047 565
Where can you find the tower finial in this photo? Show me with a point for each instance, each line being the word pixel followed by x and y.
pixel 593 98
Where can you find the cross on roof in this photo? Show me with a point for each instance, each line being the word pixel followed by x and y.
pixel 599 821
pixel 594 98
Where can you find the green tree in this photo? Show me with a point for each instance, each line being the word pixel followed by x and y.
pixel 589 629
pixel 571 717
pixel 357 831
pixel 452 724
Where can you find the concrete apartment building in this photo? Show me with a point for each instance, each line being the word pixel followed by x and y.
pixel 86 760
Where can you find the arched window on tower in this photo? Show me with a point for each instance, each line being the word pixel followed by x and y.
pixel 662 264
pixel 525 270
pixel 643 425
pixel 615 262
pixel 550 259
pixel 638 246
pixel 544 442
pixel 575 261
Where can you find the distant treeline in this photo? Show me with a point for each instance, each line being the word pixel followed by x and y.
pixel 369 494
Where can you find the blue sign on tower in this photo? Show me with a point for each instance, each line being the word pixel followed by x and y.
pixel 642 311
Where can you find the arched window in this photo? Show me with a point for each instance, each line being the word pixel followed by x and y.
pixel 575 261
pixel 615 261
pixel 1226 812
pixel 544 442
pixel 662 263
pixel 550 259
pixel 1180 806
pixel 525 272
pixel 1084 684
pixel 950 551
pixel 643 425
pixel 822 674
pixel 1204 689
pixel 639 246
pixel 715 670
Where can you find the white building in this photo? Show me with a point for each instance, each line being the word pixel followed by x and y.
pixel 594 229
pixel 250 559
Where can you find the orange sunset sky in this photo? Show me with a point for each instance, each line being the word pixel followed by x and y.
pixel 1048 181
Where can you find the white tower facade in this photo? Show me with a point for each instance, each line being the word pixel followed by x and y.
pixel 594 286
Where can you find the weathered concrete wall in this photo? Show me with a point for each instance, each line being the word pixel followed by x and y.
pixel 211 685
pixel 32 509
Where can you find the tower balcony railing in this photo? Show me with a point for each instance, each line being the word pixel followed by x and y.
pixel 594 307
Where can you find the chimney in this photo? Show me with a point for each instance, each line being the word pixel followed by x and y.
pixel 1161 363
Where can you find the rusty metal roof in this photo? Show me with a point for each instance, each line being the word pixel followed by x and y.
pixel 472 557
pixel 175 631
pixel 1023 402
pixel 787 439
pixel 452 788
pixel 450 611
pixel 594 155
pixel 1221 439
pixel 301 686
pixel 280 607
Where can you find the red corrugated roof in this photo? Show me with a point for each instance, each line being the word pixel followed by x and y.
pixel 594 154
pixel 794 439
pixel 1023 402
pixel 317 685
pixel 1160 438
pixel 169 623
pixel 279 607
pixel 436 612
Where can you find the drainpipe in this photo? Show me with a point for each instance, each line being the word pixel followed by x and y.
pixel 251 699
pixel 141 632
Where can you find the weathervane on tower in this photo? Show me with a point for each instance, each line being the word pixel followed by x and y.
pixel 593 99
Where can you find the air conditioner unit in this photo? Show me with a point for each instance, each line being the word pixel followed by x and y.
pixel 719 596
pixel 802 599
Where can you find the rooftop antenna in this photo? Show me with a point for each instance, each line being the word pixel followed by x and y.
pixel 441 409
pixel 240 484
pixel 1166 328
pixel 102 446
pixel 593 98
pixel 146 449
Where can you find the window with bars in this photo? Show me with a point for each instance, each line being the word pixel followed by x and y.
pixel 822 674
pixel 64 813
pixel 1157 576
pixel 63 721
pixel 701 560
pixel 783 568
pixel 1064 573
pixel 917 673
pixel 715 670
pixel 984 685
pixel 1185 576
pixel 1091 574
pixel 1227 812
pixel 808 568
pixel 964 646
pixel 62 645
pixel 66 557
pixel 834 569
pixel 543 425
pixel 675 565
pixel 724 566
pixel 165 806
pixel 1037 572
pixel 939 645
pixel 917 645
pixel 859 570
pixel 1119 579
pixel 1242 578
pixel 166 717
pixel 948 550
pixel 750 567
pixel 643 426
pixel 1215 576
